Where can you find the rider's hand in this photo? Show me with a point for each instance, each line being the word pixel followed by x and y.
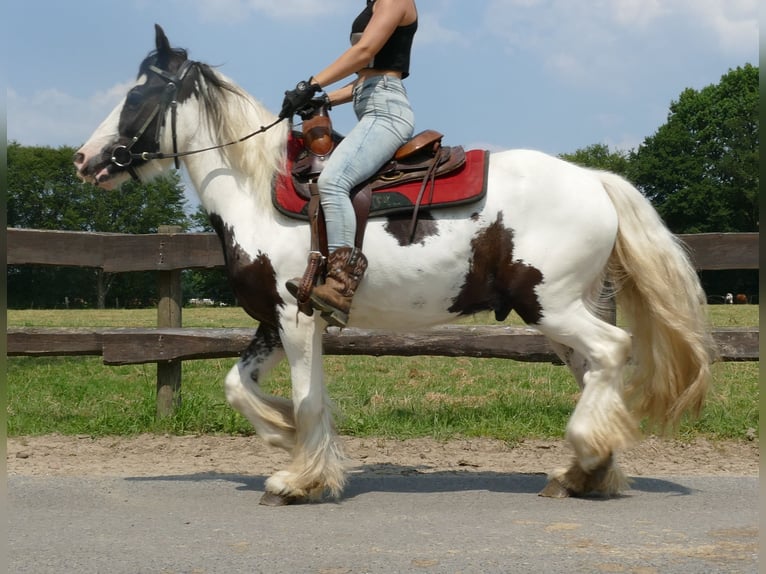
pixel 314 105
pixel 298 98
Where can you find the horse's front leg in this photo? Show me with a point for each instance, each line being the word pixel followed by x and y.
pixel 271 416
pixel 318 463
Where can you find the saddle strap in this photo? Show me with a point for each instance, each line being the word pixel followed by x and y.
pixel 430 178
pixel 316 221
pixel 317 255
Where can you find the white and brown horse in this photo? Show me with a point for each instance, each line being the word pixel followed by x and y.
pixel 541 242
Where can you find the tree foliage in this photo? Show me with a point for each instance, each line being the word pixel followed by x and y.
pixel 45 193
pixel 700 169
pixel 598 156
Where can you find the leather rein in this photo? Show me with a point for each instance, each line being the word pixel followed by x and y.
pixel 123 157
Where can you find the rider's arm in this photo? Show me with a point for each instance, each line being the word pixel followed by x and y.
pixel 341 95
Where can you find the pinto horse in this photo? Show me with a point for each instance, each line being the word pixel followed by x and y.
pixel 542 241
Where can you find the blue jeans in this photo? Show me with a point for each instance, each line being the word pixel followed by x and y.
pixel 386 122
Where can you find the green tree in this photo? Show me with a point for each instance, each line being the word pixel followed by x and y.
pixel 598 156
pixel 41 188
pixel 45 193
pixel 700 169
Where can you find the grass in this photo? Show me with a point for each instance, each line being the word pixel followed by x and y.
pixel 399 397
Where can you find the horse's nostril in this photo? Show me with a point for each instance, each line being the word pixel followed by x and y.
pixel 79 158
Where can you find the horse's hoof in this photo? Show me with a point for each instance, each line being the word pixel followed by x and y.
pixel 554 489
pixel 271 499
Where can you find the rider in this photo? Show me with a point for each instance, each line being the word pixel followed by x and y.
pixel 381 41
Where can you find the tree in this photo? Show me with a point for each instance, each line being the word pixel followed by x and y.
pixel 598 156
pixel 700 169
pixel 45 193
pixel 42 188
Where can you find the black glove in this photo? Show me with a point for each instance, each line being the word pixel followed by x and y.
pixel 298 98
pixel 314 105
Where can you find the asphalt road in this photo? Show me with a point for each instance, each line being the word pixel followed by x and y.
pixel 424 523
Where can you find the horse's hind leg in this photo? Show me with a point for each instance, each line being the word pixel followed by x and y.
pixel 577 364
pixel 601 423
pixel 271 416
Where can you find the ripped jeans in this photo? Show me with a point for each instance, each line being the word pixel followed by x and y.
pixel 386 122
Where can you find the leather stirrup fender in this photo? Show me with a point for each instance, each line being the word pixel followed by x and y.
pixel 315 266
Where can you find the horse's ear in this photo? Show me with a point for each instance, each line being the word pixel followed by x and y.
pixel 163 44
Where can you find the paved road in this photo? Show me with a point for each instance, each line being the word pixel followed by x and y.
pixel 425 523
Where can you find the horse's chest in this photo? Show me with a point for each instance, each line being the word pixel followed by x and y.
pixel 252 278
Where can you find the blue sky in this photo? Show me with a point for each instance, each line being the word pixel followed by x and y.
pixel 553 75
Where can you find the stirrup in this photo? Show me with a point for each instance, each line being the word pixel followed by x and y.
pixel 293 286
pixel 334 316
pixel 301 287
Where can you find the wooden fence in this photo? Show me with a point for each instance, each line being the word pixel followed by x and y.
pixel 169 252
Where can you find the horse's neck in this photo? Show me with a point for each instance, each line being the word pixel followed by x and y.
pixel 222 189
pixel 235 181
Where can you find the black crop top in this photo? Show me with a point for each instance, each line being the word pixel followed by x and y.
pixel 395 53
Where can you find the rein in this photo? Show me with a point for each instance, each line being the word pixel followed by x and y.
pixel 122 156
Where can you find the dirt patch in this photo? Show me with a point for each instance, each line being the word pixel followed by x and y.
pixel 152 455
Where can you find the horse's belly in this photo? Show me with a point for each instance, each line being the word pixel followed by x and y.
pixel 406 301
pixel 397 319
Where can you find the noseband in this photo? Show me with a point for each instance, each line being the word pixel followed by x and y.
pixel 123 157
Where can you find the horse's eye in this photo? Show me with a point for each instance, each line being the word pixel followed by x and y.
pixel 134 97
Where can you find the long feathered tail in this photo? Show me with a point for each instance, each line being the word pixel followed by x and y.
pixel 660 295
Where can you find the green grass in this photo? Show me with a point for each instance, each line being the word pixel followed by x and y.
pixel 398 397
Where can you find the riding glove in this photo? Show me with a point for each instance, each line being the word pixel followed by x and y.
pixel 314 105
pixel 297 99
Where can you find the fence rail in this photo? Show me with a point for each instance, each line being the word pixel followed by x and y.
pixel 118 253
pixel 169 252
pixel 125 346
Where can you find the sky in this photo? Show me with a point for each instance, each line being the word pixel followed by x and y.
pixel 552 75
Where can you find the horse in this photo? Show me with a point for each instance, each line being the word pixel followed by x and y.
pixel 543 241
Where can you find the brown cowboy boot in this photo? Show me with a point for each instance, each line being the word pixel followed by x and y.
pixel 345 269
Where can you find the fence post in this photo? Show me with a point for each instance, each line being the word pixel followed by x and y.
pixel 169 315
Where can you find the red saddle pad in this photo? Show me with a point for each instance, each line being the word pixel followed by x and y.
pixel 465 185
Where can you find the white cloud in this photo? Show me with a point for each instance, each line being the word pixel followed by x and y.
pixel 54 118
pixel 733 22
pixel 432 31
pixel 636 12
pixel 585 42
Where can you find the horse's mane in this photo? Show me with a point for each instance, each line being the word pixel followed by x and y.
pixel 232 114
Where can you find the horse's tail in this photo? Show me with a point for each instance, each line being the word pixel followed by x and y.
pixel 661 297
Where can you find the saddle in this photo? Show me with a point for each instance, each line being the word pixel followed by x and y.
pixel 405 184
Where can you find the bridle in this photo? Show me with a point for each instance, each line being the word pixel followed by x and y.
pixel 123 157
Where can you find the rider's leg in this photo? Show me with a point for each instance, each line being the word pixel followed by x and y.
pixel 386 122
